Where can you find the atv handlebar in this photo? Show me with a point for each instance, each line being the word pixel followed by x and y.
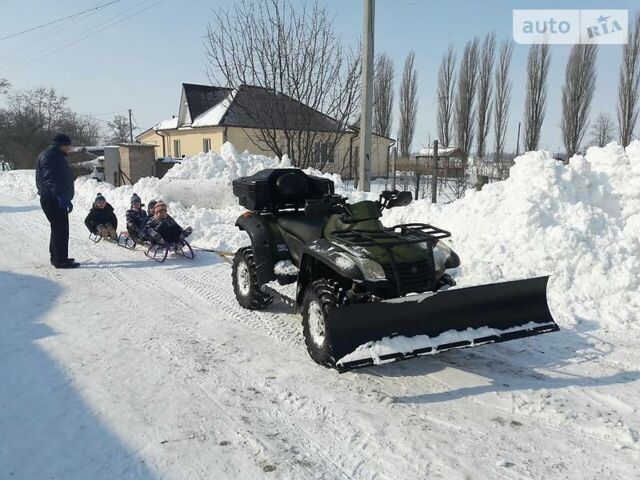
pixel 394 198
pixel 327 205
pixel 337 204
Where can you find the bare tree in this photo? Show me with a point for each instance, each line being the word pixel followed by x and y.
pixel 536 97
pixel 119 127
pixel 629 85
pixel 577 93
pixel 502 96
pixel 4 85
pixel 467 83
pixel 485 91
pixel 408 105
pixel 83 129
pixel 383 95
pixel 446 91
pixel 602 130
pixel 31 118
pixel 293 53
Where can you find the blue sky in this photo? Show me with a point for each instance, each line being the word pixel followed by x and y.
pixel 141 62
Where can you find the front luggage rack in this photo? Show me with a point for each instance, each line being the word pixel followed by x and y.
pixel 403 234
pixel 392 236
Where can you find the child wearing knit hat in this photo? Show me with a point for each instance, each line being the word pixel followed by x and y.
pixel 101 219
pixel 136 217
pixel 161 229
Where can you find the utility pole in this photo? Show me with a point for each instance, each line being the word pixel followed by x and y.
pixel 518 142
pixel 366 111
pixel 434 174
pixel 130 127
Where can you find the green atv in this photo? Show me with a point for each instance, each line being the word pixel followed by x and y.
pixel 359 283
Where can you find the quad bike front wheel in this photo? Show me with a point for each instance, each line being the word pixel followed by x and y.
pixel 245 281
pixel 320 298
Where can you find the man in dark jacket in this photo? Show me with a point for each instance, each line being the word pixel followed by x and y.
pixel 101 220
pixel 163 230
pixel 54 181
pixel 137 218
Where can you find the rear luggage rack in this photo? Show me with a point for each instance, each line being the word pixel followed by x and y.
pixel 392 236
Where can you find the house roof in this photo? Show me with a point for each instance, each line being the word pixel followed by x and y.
pixel 200 98
pixel 246 107
pixel 167 124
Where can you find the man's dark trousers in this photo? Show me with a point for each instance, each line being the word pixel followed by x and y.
pixel 59 220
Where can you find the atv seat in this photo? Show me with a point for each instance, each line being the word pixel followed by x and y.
pixel 303 227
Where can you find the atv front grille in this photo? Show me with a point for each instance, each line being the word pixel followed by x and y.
pixel 415 277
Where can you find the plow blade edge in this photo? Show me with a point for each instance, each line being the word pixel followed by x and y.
pixel 372 333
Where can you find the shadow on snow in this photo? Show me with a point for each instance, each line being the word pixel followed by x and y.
pixel 47 429
pixel 511 366
pixel 18 208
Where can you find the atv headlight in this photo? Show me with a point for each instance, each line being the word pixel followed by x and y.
pixel 371 271
pixel 441 253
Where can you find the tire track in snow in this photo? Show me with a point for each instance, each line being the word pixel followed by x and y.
pixel 286 328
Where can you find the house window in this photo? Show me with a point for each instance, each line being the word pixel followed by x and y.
pixel 206 144
pixel 177 153
pixel 321 153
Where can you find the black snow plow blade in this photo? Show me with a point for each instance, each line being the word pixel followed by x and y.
pixel 426 324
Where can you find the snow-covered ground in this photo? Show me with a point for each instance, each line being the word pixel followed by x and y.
pixel 130 369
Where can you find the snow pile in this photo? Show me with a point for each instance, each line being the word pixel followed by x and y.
pixel 578 223
pixel 19 182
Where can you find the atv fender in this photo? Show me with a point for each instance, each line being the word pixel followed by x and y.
pixel 322 259
pixel 267 248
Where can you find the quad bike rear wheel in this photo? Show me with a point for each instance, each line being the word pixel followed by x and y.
pixel 320 298
pixel 245 281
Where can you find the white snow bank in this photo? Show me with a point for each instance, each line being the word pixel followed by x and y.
pixel 579 223
pixel 21 183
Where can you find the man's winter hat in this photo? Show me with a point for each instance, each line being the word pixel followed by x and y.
pixel 135 199
pixel 61 139
pixel 99 198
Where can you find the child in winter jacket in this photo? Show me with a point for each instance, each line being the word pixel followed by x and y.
pixel 101 219
pixel 137 218
pixel 161 229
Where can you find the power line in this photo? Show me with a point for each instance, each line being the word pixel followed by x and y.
pixel 46 35
pixel 83 34
pixel 135 121
pixel 104 114
pixel 87 34
pixel 12 35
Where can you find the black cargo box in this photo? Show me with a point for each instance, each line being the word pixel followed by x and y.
pixel 275 189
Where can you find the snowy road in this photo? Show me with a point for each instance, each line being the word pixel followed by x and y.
pixel 130 369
